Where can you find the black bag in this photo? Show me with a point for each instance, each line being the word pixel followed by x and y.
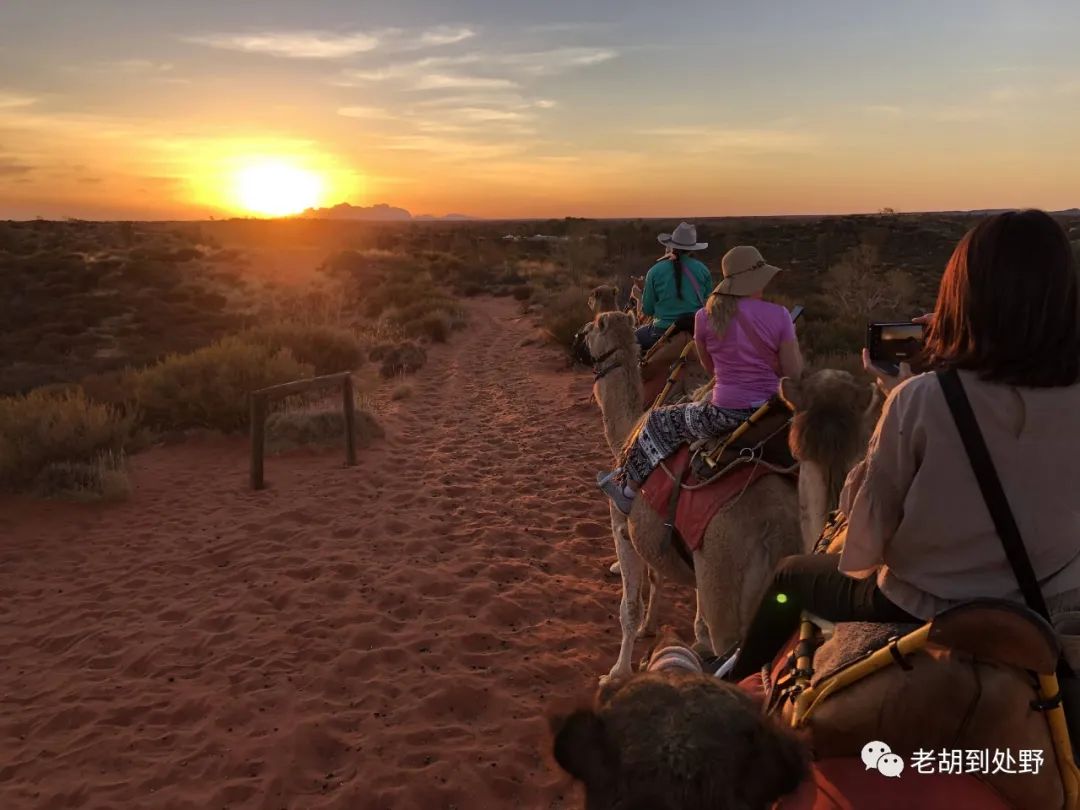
pixel 998 506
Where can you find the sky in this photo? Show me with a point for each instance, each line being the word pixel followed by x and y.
pixel 145 109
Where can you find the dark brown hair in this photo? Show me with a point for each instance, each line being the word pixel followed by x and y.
pixel 1008 305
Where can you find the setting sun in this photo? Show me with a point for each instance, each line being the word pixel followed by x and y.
pixel 277 189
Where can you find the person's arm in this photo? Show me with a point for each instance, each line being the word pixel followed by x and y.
pixel 704 357
pixel 791 359
pixel 875 490
pixel 648 298
pixel 788 353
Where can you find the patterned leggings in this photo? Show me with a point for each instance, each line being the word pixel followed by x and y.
pixel 669 428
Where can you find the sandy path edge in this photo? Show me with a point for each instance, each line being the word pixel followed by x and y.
pixel 388 636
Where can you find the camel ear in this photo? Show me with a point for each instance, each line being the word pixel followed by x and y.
pixel 791 392
pixel 601 322
pixel 592 300
pixel 582 750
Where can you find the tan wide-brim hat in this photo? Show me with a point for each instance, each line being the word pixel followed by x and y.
pixel 745 272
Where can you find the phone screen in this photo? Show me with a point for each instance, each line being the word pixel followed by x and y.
pixel 893 343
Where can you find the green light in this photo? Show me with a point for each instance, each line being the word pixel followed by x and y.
pixel 781 598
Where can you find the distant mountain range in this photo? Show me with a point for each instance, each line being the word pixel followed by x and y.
pixel 375 213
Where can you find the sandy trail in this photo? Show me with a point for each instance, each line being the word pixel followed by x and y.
pixel 387 636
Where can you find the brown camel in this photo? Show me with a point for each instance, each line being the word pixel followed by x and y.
pixel 677 741
pixel 772 519
pixel 604 298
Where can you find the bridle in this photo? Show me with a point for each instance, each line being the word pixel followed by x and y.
pixel 598 372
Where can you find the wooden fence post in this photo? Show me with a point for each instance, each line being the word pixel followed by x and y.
pixel 258 438
pixel 350 420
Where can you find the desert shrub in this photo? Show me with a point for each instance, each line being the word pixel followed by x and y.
pixel 435 326
pixel 298 427
pixel 402 391
pixel 843 361
pixel 564 313
pixel 41 428
pixel 328 349
pixel 522 292
pixel 102 479
pixel 401 358
pixel 209 388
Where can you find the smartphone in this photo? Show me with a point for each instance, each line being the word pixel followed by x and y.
pixel 797 312
pixel 891 344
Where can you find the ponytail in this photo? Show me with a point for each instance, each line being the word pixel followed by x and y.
pixel 676 266
pixel 721 309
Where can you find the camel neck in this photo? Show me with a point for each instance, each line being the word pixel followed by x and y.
pixel 620 397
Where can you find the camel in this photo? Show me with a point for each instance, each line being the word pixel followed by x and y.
pixel 774 517
pixel 604 298
pixel 679 741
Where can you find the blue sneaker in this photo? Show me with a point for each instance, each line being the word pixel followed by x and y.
pixel 614 490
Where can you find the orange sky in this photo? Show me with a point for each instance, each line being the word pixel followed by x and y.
pixel 507 110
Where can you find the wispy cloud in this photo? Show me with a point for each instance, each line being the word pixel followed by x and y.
pixel 10 167
pixel 9 101
pixel 558 60
pixel 746 141
pixel 884 110
pixel 294 45
pixel 331 44
pixel 445 35
pixel 365 112
pixel 446 81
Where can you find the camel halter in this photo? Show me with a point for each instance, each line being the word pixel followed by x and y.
pixel 600 373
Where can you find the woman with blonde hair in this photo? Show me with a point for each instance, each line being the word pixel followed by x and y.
pixel 747 343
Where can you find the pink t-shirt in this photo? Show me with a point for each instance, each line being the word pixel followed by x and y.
pixel 747 357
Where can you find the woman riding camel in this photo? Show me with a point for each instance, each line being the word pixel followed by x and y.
pixel 747 343
pixel 675 287
pixel 920 537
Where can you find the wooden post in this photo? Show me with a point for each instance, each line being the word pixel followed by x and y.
pixel 350 420
pixel 258 439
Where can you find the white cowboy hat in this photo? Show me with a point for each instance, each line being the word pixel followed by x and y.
pixel 682 238
pixel 745 272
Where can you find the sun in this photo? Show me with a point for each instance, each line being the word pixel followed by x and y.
pixel 276 188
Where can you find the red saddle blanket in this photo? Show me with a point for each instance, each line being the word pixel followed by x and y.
pixel 696 507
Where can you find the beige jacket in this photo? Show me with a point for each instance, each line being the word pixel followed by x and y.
pixel 916 516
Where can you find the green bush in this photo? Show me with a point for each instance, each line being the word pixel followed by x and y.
pixel 564 313
pixel 299 427
pixel 328 349
pixel 103 479
pixel 41 429
pixel 401 358
pixel 209 388
pixel 435 326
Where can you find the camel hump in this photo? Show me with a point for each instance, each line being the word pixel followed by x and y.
pixel 1020 637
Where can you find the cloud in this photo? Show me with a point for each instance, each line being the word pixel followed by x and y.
pixel 10 167
pixel 701 139
pixel 369 113
pixel 884 110
pixel 445 35
pixel 293 45
pixel 9 101
pixel 333 45
pixel 453 150
pixel 445 81
pixel 558 60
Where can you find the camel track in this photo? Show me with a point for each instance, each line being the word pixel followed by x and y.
pixel 386 636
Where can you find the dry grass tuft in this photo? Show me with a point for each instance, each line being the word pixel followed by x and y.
pixel 402 391
pixel 318 426
pixel 328 349
pixel 103 479
pixel 209 388
pixel 41 429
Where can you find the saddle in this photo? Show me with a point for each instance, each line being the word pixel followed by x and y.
pixel 979 677
pixel 762 439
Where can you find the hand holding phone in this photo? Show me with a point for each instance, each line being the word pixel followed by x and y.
pixel 892 343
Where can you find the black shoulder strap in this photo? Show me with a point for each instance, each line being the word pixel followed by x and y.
pixel 990 485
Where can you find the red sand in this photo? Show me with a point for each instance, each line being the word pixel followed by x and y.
pixel 387 636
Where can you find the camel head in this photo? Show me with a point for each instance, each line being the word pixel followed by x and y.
pixel 609 334
pixel 674 740
pixel 604 298
pixel 834 416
